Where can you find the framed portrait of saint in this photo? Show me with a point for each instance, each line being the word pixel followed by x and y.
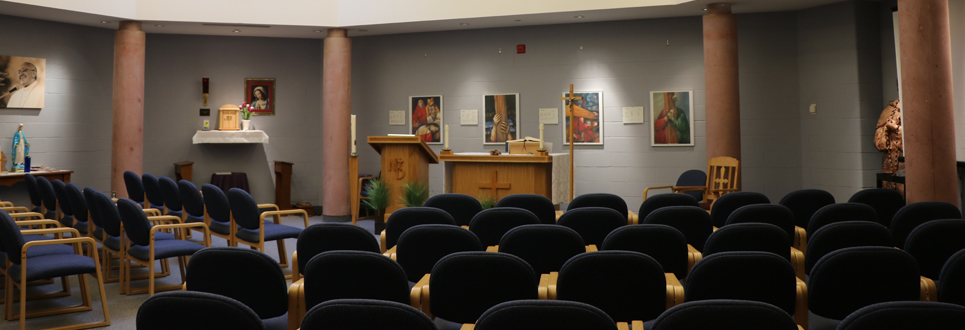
pixel 22 81
pixel 673 119
pixel 502 118
pixel 260 93
pixel 425 118
pixel 588 114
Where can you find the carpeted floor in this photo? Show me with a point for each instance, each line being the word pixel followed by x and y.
pixel 123 308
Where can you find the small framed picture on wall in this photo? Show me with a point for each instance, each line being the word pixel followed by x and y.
pixel 673 119
pixel 425 118
pixel 588 122
pixel 502 118
pixel 260 93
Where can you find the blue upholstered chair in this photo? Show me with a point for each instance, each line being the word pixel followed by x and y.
pixel 78 205
pixel 195 311
pixel 48 198
pixel 723 314
pixel 110 233
pixel 691 182
pixel 545 247
pixel 490 225
pixel 172 198
pixel 460 206
pixel 915 214
pixel 192 203
pixel 610 201
pixel 544 315
pixel 66 212
pixel 900 315
pixel 541 206
pixel 406 218
pixel 36 203
pixel 663 243
pixel 134 186
pixel 37 223
pixel 326 237
pixel 664 200
pixel 593 223
pixel 218 212
pixel 152 192
pixel 250 227
pixel 365 314
pixel 886 202
pixel 420 247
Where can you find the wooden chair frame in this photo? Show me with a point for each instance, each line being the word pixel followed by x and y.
pixel 723 173
pixel 260 245
pixel 182 260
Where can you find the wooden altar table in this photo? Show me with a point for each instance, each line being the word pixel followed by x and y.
pixel 481 175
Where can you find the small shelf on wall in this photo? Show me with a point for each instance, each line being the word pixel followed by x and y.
pixel 230 137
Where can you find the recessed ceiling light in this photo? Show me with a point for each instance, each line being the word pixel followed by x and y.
pixel 105 22
pixel 158 25
pixel 463 24
pixel 236 31
pixel 578 16
pixel 318 31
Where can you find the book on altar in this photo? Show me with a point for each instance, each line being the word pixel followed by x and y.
pixel 527 145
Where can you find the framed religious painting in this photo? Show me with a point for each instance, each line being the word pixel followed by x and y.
pixel 22 81
pixel 588 114
pixel 260 93
pixel 425 118
pixel 502 118
pixel 673 119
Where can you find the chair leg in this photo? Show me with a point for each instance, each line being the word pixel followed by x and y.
pixel 282 254
pixel 84 292
pixel 150 283
pixel 23 301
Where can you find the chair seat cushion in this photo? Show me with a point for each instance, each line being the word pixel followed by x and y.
pixel 67 220
pixel 272 232
pixel 51 214
pixel 81 227
pixel 162 236
pixel 175 213
pixel 165 249
pixel 51 266
pixel 98 233
pixel 40 251
pixel 113 243
pixel 193 218
pixel 35 209
pixel 276 323
pixel 28 238
pixel 223 228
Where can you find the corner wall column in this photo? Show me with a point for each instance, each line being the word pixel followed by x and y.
pixel 928 101
pixel 721 83
pixel 336 112
pixel 127 129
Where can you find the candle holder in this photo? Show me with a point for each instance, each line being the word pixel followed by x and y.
pixel 446 152
pixel 542 152
pixel 354 155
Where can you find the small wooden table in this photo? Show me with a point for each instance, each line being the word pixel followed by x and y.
pixel 8 179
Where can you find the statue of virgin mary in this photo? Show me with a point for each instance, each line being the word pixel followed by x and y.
pixel 20 150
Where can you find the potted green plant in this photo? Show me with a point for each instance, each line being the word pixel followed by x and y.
pixel 414 194
pixel 487 201
pixel 377 199
pixel 245 116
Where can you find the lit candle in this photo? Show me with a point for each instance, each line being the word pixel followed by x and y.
pixel 541 136
pixel 353 134
pixel 447 137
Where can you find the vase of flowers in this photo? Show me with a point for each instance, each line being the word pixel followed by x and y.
pixel 245 116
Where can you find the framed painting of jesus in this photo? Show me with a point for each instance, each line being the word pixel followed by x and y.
pixel 673 119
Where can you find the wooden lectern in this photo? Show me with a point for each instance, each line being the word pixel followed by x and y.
pixel 283 184
pixel 404 159
pixel 183 170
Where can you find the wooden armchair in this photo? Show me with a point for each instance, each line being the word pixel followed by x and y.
pixel 722 176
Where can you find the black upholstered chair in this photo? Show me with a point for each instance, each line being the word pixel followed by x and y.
pixel 592 222
pixel 775 214
pixel 192 203
pixel 490 225
pixel 135 187
pixel 724 315
pixel 664 200
pixel 365 314
pixel 420 247
pixel 172 198
pixel 900 315
pixel 36 203
pixel 251 228
pixel 466 284
pixel 461 207
pixel 326 237
pixel 886 202
pixel 43 259
pixel 145 248
pixel 841 212
pixel 691 179
pixel 195 311
pixel 545 247
pixel 757 276
pixel 107 219
pixel 66 212
pixel 952 290
pixel 49 199
pixel 628 286
pixel 692 221
pixel 406 218
pixel 728 203
pixel 750 236
pixel 848 279
pixel 544 315
pixel 933 242
pixel 78 206
pixel 803 203
pixel 610 201
pixel 664 243
pixel 218 212
pixel 841 235
pixel 250 277
pixel 541 206
pixel 915 214
pixel 154 198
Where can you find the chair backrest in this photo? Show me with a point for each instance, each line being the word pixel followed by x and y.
pixel 361 314
pixel 136 225
pixel 775 214
pixel 32 189
pixel 216 203
pixel 693 178
pixel 61 195
pixel 841 212
pixel 47 194
pixel 914 214
pixel 626 285
pixel 723 173
pixel 610 201
pixel 490 225
pixel 11 241
pixel 933 242
pixel 953 290
pixel 152 188
pixel 727 204
pixel 77 202
pixel 195 311
pixel 803 203
pixel 191 198
pixel 243 208
pixel 461 207
pixel 407 217
pixel 841 235
pixel 664 243
pixel 169 191
pixel 691 221
pixel 354 275
pixel 324 237
pixel 847 279
pixel 593 223
pixel 545 247
pixel 134 186
pixel 886 202
pixel 248 276
pixel 107 214
pixel 420 247
pixel 724 315
pixel 757 276
pixel 663 200
pixel 906 315
pixel 95 216
pixel 762 237
pixel 544 315
pixel 541 206
pixel 466 284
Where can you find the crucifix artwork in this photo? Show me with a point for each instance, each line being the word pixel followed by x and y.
pixel 494 185
pixel 569 103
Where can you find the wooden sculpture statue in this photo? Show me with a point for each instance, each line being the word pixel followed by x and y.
pixel 888 136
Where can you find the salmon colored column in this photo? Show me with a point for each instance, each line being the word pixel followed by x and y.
pixel 928 109
pixel 336 112
pixel 721 83
pixel 127 134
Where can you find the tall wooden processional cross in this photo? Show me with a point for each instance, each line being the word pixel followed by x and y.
pixel 569 103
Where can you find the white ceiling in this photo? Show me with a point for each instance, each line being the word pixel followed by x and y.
pixel 358 16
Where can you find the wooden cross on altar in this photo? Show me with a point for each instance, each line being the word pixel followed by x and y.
pixel 569 103
pixel 494 185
